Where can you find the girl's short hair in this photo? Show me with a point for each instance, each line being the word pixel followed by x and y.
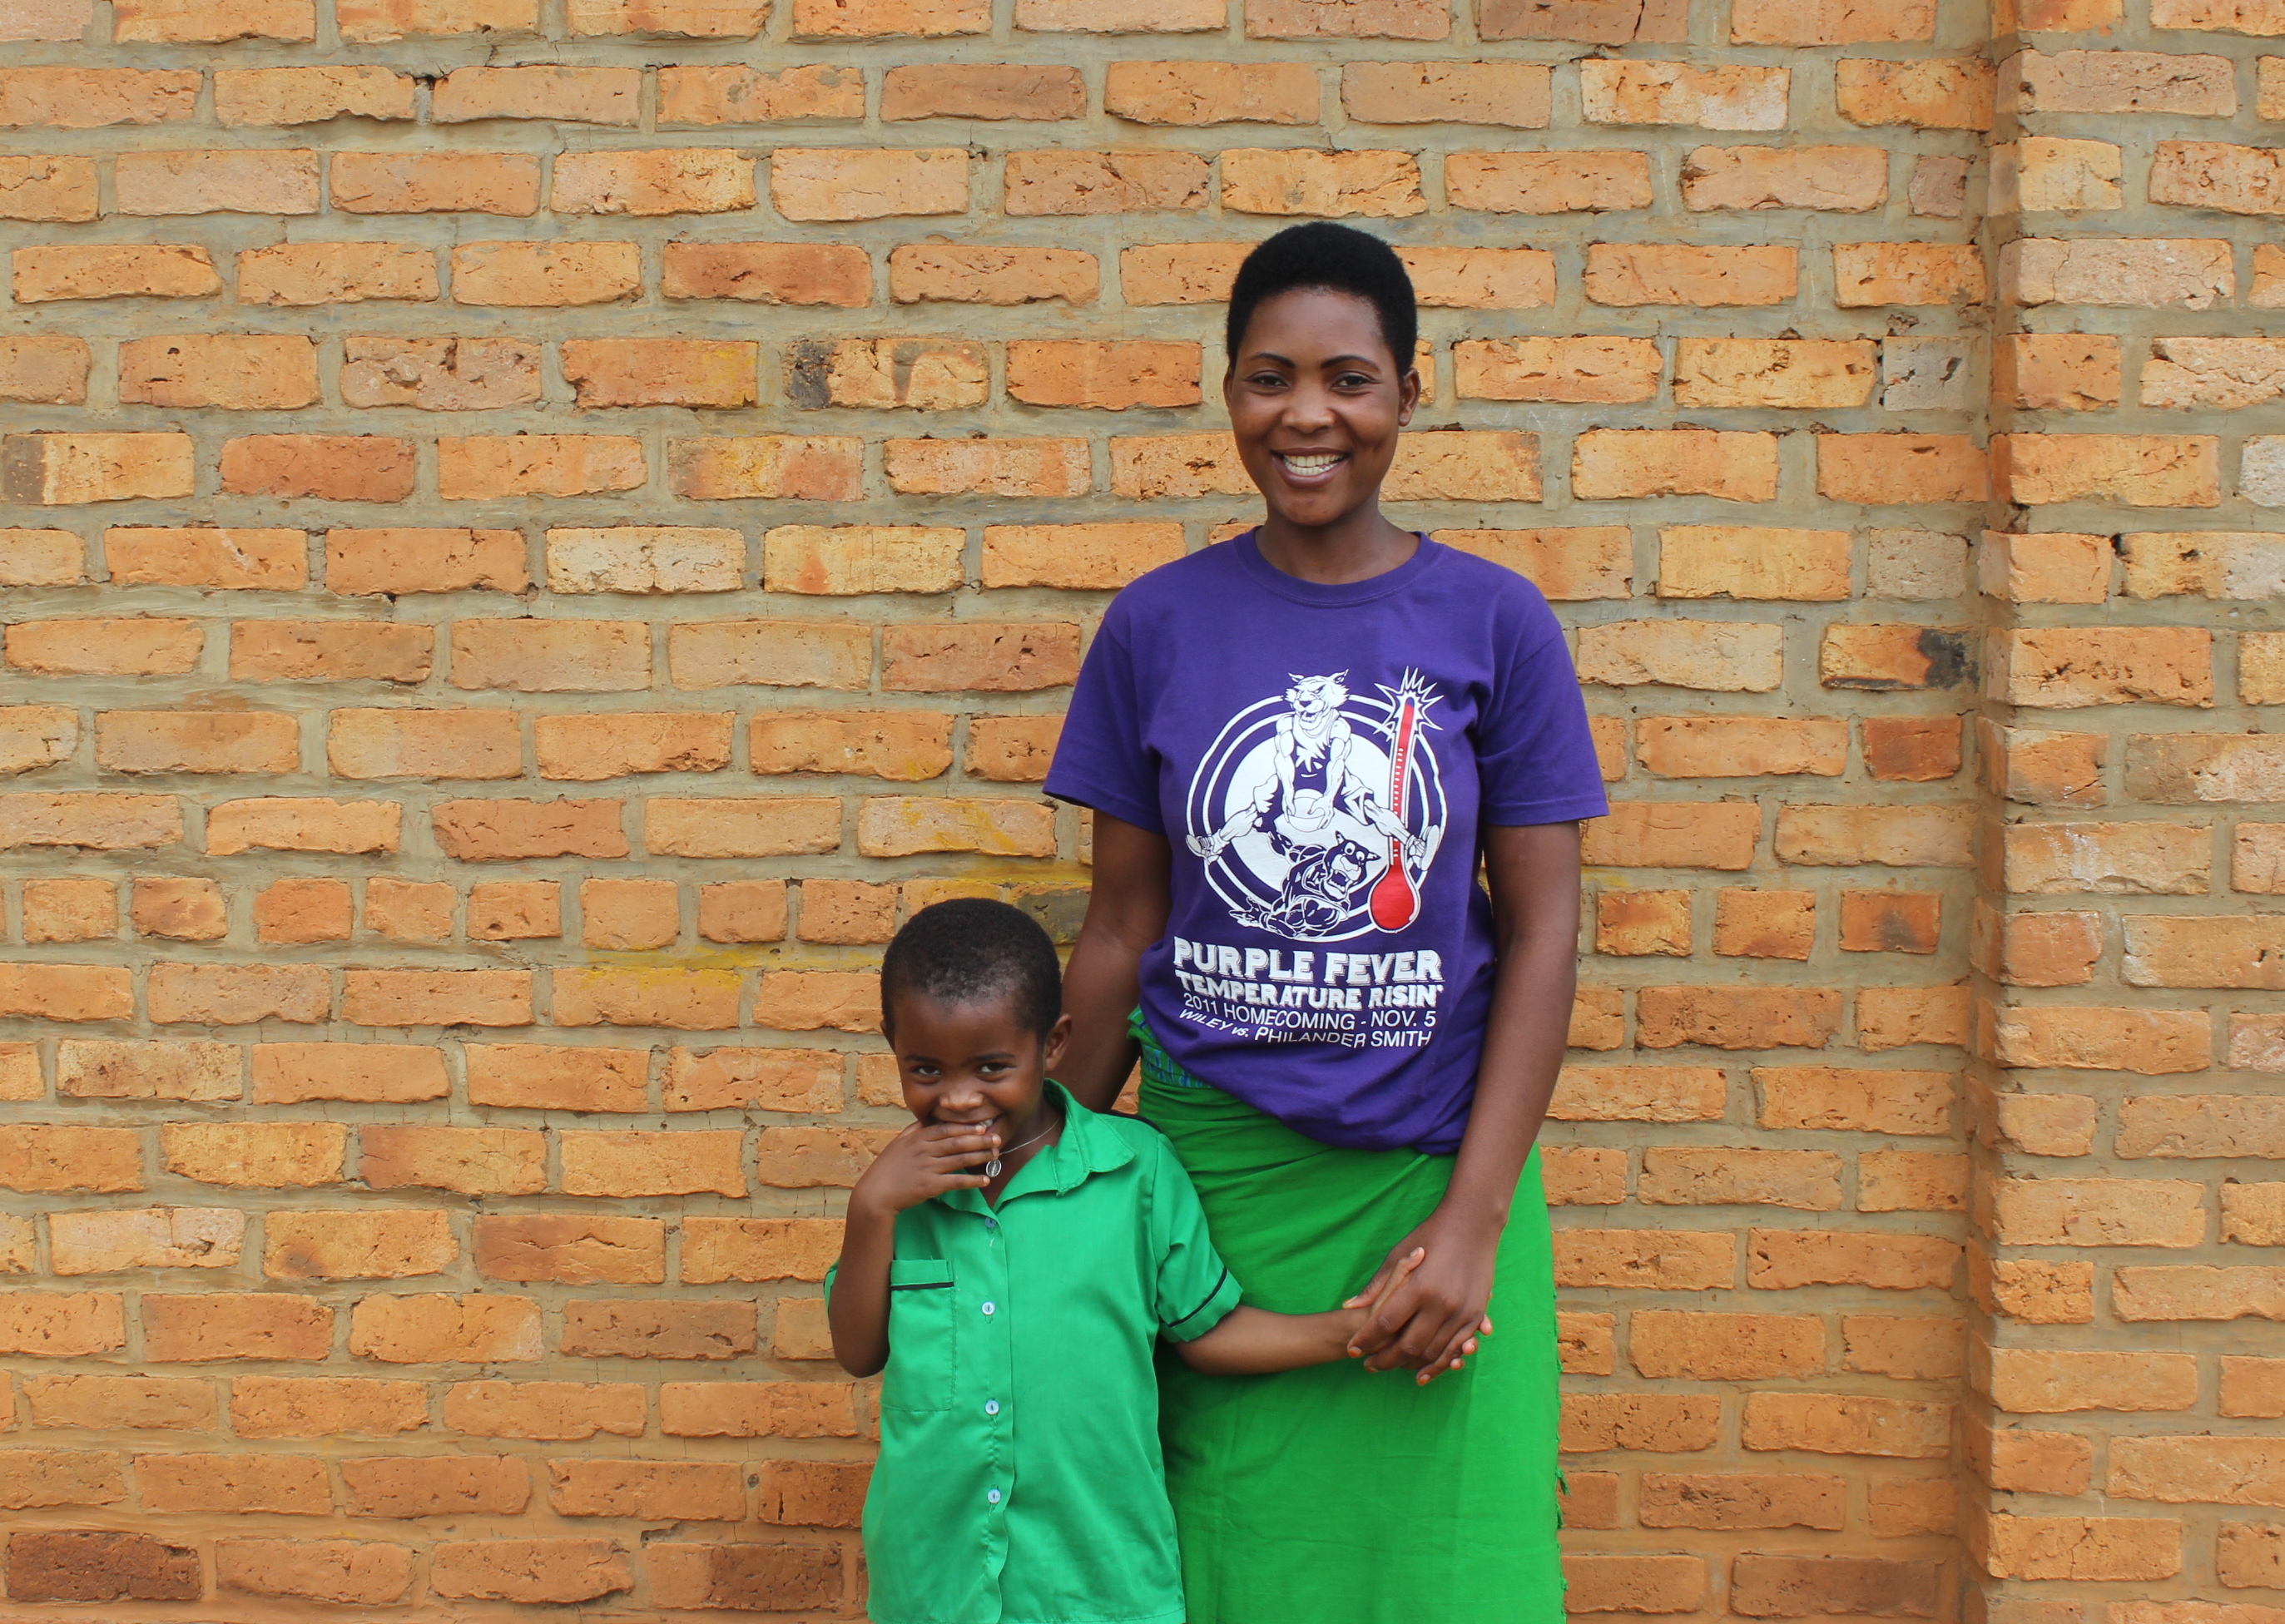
pixel 972 950
pixel 1339 259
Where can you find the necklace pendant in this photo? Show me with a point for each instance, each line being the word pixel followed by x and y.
pixel 992 1168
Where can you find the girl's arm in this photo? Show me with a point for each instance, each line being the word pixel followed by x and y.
pixel 925 1160
pixel 858 1311
pixel 1126 911
pixel 1533 876
pixel 1256 1342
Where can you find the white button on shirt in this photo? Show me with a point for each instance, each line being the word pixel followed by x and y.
pixel 993 1495
pixel 990 1308
pixel 991 1406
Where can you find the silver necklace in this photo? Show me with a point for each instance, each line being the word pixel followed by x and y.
pixel 992 1167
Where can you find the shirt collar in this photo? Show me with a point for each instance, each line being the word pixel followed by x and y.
pixel 1087 1146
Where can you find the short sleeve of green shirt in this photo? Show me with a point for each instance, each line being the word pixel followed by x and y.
pixel 1196 1290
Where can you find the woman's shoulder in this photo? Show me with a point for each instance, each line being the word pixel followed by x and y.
pixel 1180 576
pixel 1485 581
pixel 1508 605
pixel 1163 599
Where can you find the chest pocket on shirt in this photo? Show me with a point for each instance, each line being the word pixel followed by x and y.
pixel 921 1357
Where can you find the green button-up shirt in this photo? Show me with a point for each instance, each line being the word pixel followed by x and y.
pixel 1020 1480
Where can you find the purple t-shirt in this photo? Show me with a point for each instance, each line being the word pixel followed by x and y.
pixel 1322 760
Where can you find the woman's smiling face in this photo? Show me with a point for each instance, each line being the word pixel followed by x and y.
pixel 1316 400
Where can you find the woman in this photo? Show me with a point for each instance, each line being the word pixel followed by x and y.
pixel 1298 746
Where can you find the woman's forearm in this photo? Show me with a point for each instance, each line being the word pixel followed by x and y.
pixel 1100 986
pixel 1126 913
pixel 1523 1053
pixel 1535 875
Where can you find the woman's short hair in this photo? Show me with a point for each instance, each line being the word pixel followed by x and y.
pixel 1338 258
pixel 973 950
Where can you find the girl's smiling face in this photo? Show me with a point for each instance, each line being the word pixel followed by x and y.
pixel 975 1064
pixel 1316 400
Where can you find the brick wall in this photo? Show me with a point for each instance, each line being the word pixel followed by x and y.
pixel 540 529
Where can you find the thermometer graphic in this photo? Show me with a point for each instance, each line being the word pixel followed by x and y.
pixel 1395 902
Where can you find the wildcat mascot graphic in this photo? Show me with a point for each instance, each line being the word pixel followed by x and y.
pixel 1319 811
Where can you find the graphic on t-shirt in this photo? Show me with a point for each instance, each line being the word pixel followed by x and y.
pixel 1319 811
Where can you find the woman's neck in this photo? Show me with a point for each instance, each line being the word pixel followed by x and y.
pixel 1355 547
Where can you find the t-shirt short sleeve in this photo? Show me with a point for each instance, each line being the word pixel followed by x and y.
pixel 1099 759
pixel 1535 753
pixel 1196 1289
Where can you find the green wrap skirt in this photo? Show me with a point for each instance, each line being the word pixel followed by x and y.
pixel 1333 1494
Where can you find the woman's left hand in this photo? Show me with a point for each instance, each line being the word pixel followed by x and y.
pixel 1430 1322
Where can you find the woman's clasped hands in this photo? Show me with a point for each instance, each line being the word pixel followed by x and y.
pixel 1428 1299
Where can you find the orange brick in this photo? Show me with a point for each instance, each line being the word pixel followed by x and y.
pixel 1741 747
pixel 552 1411
pixel 292 1484
pixel 1890 921
pixel 1548 182
pixel 1834 1423
pixel 52 371
pixel 768 272
pixel 2137 470
pixel 75 910
pixel 302 911
pixel 736 94
pixel 756 1409
pixel 55 188
pixel 825 468
pixel 486 467
pixel 2082 1548
pixel 408 913
pixel 540 1077
pixel 1743 1500
pixel 571 1248
pixel 280 96
pixel 437 998
pixel 427 1329
pixel 1602 370
pixel 513 910
pixel 363 1245
pixel 154 1402
pixel 217 1326
pixel 440 374
pixel 1076 182
pixel 1938 93
pixel 328 468
pixel 1636 923
pixel 1297 181
pixel 472 1161
pixel 1762 22
pixel 436 182
pixel 436 1485
pixel 66 992
pixel 697 1001
pixel 688 19
pixel 753 1079
pixel 1654 1422
pixel 1764 924
pixel 365 1572
pixel 285 1073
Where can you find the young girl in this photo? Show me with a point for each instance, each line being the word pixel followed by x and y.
pixel 1013 1259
